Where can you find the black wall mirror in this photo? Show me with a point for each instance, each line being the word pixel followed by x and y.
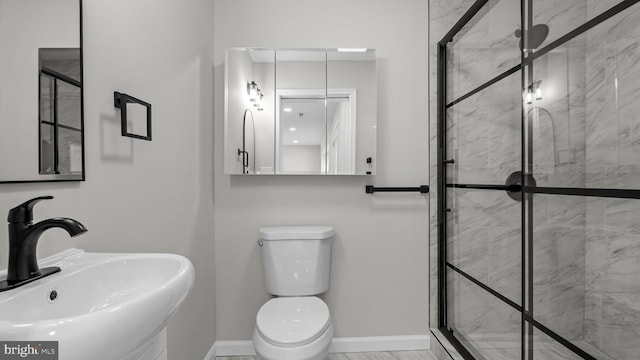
pixel 41 91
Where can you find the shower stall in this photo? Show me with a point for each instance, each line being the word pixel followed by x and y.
pixel 538 178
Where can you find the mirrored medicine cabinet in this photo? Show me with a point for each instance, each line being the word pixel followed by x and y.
pixel 300 111
pixel 41 91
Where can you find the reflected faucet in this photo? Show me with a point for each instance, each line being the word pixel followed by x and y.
pixel 23 241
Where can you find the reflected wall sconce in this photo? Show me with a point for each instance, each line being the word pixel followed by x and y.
pixel 120 101
pixel 255 95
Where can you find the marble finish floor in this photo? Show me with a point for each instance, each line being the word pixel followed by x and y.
pixel 543 350
pixel 397 355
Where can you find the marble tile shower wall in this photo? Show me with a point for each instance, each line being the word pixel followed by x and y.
pixel 559 264
pixel 489 328
pixel 486 243
pixel 558 143
pixel 558 119
pixel 561 16
pixel 612 317
pixel 483 135
pixel 483 49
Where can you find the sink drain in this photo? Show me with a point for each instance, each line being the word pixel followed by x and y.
pixel 53 295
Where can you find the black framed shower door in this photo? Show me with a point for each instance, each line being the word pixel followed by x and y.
pixel 491 219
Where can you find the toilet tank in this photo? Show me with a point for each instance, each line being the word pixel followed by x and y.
pixel 296 259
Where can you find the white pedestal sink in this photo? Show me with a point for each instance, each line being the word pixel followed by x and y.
pixel 100 306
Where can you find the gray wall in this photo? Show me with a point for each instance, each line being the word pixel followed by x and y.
pixel 380 259
pixel 144 196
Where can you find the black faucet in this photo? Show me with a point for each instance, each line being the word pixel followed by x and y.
pixel 23 241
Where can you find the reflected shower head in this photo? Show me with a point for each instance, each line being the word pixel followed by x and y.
pixel 537 35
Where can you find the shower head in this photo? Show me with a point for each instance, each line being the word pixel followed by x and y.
pixel 537 35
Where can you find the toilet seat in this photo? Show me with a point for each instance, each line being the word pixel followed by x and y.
pixel 293 321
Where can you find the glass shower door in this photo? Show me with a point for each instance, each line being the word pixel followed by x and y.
pixel 539 151
pixel 483 228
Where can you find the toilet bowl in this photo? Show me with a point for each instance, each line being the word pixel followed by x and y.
pixel 293 328
pixel 296 325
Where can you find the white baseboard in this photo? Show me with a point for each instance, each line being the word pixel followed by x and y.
pixel 338 345
pixel 380 343
pixel 234 348
pixel 211 355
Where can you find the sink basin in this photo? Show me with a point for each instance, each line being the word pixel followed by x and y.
pixel 100 306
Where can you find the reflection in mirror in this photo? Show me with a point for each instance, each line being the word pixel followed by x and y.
pixel 316 136
pixel 341 136
pixel 301 89
pixel 352 77
pixel 302 130
pixel 41 120
pixel 300 111
pixel 249 112
pixel 60 112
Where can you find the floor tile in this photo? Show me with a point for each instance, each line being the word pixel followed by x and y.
pixel 371 356
pixel 337 357
pixel 415 355
pixel 398 355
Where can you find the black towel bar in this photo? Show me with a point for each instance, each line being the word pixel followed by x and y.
pixel 423 189
pixel 120 101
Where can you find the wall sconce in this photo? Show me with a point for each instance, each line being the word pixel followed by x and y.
pixel 538 92
pixel 529 97
pixel 534 90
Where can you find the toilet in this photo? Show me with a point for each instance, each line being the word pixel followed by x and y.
pixel 295 325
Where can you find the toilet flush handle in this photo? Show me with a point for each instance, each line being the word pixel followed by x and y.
pixel 260 243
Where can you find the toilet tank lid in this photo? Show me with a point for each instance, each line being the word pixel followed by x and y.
pixel 296 232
